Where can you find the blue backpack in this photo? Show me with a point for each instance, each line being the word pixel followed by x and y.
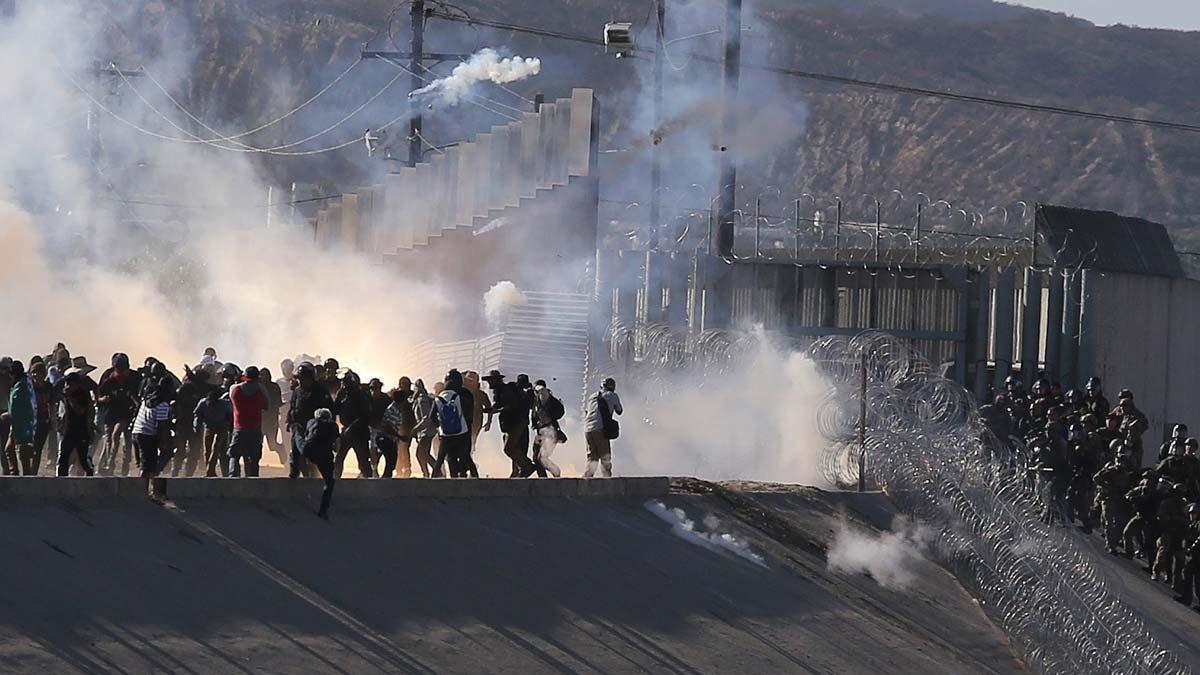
pixel 450 414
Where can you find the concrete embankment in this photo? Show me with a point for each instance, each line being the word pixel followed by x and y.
pixel 502 576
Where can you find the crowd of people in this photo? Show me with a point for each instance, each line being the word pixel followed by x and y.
pixel 1089 464
pixel 216 419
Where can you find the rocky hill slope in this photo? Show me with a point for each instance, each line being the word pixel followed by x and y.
pixel 251 59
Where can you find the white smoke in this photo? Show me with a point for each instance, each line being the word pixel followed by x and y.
pixel 493 225
pixel 756 421
pixel 499 301
pixel 720 542
pixel 890 558
pixel 484 65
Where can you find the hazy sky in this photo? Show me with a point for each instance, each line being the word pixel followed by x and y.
pixel 1179 14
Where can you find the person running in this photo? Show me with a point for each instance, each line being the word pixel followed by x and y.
pixel 320 437
pixel 423 429
pixel 482 418
pixel 547 411
pixel 378 405
pixel 249 401
pixel 117 396
pixel 452 409
pixel 308 397
pixel 601 428
pixel 152 430
pixel 354 411
pixel 394 436
pixel 212 419
pixel 513 405
pixel 77 426
pixel 189 443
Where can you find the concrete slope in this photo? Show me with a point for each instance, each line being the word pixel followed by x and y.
pixel 422 585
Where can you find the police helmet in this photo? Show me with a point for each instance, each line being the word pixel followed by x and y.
pixel 1179 431
pixel 1093 384
pixel 1193 508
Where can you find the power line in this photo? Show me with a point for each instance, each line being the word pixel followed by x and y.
pixel 293 202
pixel 853 82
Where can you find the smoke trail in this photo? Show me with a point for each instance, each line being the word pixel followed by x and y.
pixel 720 542
pixel 890 558
pixel 484 65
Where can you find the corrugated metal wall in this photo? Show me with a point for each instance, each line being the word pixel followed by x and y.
pixel 1140 332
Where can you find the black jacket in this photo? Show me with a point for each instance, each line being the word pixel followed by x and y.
pixel 320 439
pixel 306 403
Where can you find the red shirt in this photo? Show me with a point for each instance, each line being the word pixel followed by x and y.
pixel 248 407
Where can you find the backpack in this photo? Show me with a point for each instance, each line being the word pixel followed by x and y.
pixel 554 408
pixel 450 414
pixel 612 428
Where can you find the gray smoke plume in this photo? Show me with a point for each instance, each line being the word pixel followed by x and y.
pixel 890 558
pixel 484 65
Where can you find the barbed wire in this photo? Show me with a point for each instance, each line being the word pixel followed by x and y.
pixel 924 442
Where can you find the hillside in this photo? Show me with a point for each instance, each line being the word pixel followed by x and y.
pixel 255 59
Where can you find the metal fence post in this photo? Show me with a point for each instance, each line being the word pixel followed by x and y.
pixel 862 425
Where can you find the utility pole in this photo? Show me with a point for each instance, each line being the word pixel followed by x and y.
pixel 416 58
pixel 732 60
pixel 101 74
pixel 415 66
pixel 660 8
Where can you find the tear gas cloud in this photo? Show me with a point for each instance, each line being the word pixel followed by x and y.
pixel 101 281
pixel 755 421
pixel 207 272
pixel 484 65
pixel 499 301
pixel 710 537
pixel 891 558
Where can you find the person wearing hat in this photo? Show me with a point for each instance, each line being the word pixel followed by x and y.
pixel 1191 544
pixel 77 426
pixel 1112 484
pixel 377 404
pixel 249 402
pixel 547 411
pixel 1172 521
pixel 331 378
pixel 1093 397
pixel 394 433
pixel 117 395
pixel 1103 438
pixel 513 404
pixel 308 397
pixel 1179 434
pixel 1133 424
pixel 353 408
